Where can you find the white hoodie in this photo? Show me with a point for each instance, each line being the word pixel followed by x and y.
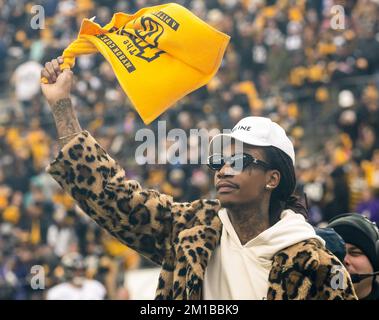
pixel 237 271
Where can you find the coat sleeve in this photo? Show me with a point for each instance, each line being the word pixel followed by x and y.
pixel 308 271
pixel 330 279
pixel 139 218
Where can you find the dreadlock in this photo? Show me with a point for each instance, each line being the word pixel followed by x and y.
pixel 283 196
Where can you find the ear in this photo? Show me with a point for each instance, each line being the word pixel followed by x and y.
pixel 272 179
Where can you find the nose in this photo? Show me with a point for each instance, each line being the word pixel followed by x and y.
pixel 225 171
pixel 346 260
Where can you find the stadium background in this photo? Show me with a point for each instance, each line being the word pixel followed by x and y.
pixel 284 61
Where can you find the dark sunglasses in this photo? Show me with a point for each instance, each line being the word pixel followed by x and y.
pixel 238 161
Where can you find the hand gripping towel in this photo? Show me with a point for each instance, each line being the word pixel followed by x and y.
pixel 159 54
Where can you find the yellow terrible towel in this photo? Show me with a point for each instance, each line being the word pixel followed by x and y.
pixel 159 54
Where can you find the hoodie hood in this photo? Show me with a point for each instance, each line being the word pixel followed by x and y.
pixel 289 230
pixel 237 271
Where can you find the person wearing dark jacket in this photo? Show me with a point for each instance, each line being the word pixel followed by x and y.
pixel 362 252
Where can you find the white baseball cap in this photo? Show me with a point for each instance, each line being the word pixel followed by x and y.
pixel 261 131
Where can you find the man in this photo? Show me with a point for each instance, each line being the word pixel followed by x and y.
pixel 251 243
pixel 76 286
pixel 26 84
pixel 362 252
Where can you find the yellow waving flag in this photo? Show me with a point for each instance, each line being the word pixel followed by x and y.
pixel 159 54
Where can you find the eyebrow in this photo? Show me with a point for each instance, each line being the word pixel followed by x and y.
pixel 354 248
pixel 258 150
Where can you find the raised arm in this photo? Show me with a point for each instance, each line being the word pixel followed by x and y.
pixel 140 218
pixel 57 94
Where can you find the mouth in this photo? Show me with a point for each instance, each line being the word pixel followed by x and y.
pixel 226 187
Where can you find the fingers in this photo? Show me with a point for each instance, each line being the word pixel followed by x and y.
pixel 65 79
pixel 52 70
pixel 67 73
pixel 46 75
pixel 56 67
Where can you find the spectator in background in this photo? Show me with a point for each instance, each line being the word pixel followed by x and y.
pixel 369 206
pixel 362 252
pixel 3 51
pixel 61 233
pixel 337 194
pixel 371 170
pixel 26 84
pixel 35 223
pixel 76 285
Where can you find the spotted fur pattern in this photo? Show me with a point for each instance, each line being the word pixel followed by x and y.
pixel 179 236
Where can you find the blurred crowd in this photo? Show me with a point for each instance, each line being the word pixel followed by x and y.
pixel 285 60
